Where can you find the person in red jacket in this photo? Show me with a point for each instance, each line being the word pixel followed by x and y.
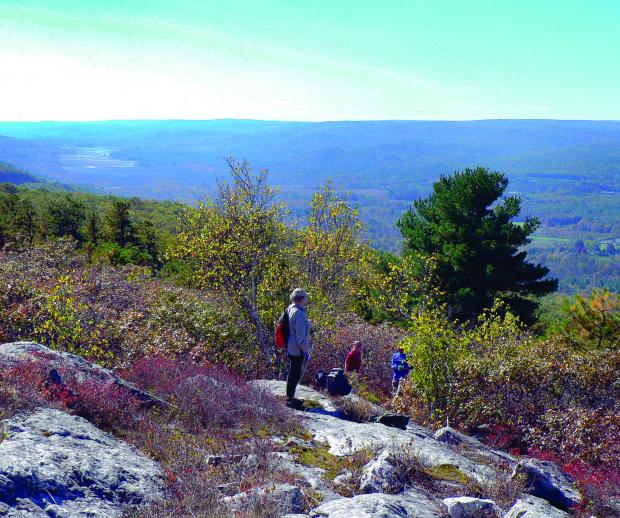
pixel 353 361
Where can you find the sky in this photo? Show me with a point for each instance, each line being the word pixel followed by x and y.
pixel 309 59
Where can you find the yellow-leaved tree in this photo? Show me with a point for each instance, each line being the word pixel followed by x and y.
pixel 235 244
pixel 329 254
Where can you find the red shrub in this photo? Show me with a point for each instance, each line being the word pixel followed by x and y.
pixel 209 396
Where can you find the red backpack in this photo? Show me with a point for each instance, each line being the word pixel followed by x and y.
pixel 282 331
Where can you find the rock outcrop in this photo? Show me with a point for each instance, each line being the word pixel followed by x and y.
pixel 546 480
pixel 347 437
pixel 288 498
pixel 67 364
pixel 452 459
pixel 55 464
pixel 380 475
pixel 533 507
pixel 468 507
pixel 455 438
pixel 410 504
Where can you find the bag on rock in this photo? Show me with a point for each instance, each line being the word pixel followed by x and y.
pixel 337 383
pixel 320 380
pixel 392 420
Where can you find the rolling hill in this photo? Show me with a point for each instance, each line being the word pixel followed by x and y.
pixel 567 172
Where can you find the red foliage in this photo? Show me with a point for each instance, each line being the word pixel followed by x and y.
pixel 505 437
pixel 107 404
pixel 598 486
pixel 164 375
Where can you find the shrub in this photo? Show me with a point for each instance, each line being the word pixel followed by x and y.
pixel 530 393
pixel 211 397
pixel 116 316
pixel 355 409
pixel 210 411
pixel 433 348
pixel 378 344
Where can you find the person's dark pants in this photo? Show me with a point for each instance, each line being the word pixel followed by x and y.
pixel 395 385
pixel 294 374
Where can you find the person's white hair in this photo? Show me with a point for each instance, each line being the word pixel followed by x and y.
pixel 299 294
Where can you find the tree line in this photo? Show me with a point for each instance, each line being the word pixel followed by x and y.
pixel 461 250
pixel 120 230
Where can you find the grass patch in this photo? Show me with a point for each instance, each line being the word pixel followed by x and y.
pixel 311 403
pixel 448 472
pixel 320 457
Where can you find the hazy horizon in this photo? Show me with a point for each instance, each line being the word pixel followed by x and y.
pixel 173 119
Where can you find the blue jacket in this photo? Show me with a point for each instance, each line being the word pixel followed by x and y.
pixel 400 360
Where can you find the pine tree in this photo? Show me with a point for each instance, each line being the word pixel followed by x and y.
pixel 478 249
pixel 119 225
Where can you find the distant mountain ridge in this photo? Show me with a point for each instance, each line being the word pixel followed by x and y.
pixel 11 174
pixel 385 164
pixel 191 152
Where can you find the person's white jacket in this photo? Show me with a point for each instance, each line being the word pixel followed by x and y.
pixel 299 331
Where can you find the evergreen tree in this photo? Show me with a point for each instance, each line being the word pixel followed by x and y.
pixel 65 216
pixel 93 227
pixel 149 243
pixel 8 207
pixel 477 248
pixel 26 221
pixel 119 225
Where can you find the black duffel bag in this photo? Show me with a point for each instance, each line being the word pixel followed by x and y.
pixel 393 420
pixel 337 383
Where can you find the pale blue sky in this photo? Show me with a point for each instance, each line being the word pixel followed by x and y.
pixel 309 60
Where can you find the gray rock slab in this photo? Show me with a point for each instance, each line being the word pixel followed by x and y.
pixel 380 475
pixel 312 475
pixel 469 507
pixel 278 388
pixel 58 464
pixel 533 507
pixel 411 504
pixel 455 438
pixel 287 496
pixel 346 437
pixel 546 480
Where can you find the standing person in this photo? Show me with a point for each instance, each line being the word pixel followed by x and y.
pixel 401 369
pixel 297 346
pixel 353 361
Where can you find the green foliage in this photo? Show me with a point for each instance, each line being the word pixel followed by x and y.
pixel 235 245
pixel 477 247
pixel 433 347
pixel 118 223
pixel 111 229
pixel 541 394
pixel 65 216
pixel 15 175
pixel 328 253
pixel 320 457
pixel 594 321
pixel 63 323
pixel 224 338
pixel 395 287
pixel 448 472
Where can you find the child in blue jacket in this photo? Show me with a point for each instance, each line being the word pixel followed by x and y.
pixel 400 367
